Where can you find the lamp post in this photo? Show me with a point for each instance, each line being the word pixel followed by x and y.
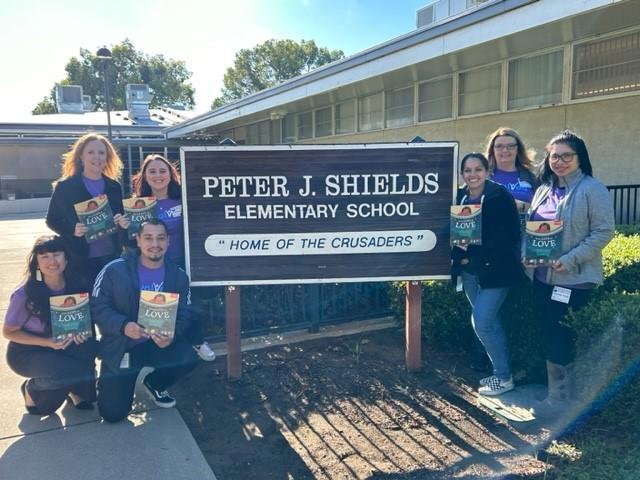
pixel 105 55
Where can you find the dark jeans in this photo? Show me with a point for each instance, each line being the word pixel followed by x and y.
pixel 52 374
pixel 116 388
pixel 560 337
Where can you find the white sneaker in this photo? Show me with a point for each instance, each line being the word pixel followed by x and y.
pixel 487 380
pixel 205 352
pixel 496 386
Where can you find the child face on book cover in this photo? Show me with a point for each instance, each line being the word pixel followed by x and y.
pixel 153 242
pixel 94 159
pixel 51 264
pixel 157 176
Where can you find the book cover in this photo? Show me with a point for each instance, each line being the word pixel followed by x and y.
pixel 70 315
pixel 543 243
pixel 97 215
pixel 140 210
pixel 466 225
pixel 158 311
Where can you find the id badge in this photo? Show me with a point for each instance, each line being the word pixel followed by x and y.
pixel 561 294
pixel 124 363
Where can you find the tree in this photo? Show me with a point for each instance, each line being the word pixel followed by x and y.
pixel 270 63
pixel 167 78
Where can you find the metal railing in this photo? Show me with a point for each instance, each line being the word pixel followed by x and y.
pixel 277 308
pixel 625 203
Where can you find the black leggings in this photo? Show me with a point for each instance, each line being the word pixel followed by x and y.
pixel 560 337
pixel 53 374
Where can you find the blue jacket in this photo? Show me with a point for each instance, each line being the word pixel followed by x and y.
pixel 116 299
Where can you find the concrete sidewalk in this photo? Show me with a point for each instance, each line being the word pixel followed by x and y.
pixel 153 443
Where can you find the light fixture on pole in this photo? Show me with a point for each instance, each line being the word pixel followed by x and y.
pixel 105 55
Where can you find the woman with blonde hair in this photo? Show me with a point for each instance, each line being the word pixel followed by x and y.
pixel 91 167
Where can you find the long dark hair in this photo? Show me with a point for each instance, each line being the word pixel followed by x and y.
pixel 37 293
pixel 142 189
pixel 577 144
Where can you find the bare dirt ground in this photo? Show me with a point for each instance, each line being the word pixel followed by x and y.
pixel 346 408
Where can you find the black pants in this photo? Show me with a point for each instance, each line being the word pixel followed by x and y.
pixel 52 374
pixel 560 337
pixel 116 388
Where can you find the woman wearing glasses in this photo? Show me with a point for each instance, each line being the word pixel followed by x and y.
pixel 511 165
pixel 569 193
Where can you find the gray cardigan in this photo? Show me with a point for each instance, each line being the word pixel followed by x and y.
pixel 588 223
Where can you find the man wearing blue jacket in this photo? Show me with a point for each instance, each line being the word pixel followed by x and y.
pixel 125 346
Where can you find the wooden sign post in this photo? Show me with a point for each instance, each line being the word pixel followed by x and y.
pixel 232 322
pixel 413 326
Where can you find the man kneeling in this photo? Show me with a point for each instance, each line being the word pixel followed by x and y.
pixel 126 347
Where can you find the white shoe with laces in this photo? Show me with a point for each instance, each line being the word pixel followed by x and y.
pixel 205 352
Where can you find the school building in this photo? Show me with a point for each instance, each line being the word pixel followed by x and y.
pixel 538 66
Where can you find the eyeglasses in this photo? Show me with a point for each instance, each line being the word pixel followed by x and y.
pixel 565 157
pixel 506 146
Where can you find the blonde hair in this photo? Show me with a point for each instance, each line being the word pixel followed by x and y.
pixel 524 157
pixel 72 164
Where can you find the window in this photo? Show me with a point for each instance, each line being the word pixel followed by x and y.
pixel 535 80
pixel 305 125
pixel 370 112
pixel 345 117
pixel 479 91
pixel 435 100
pixel 608 66
pixel 258 133
pixel 323 122
pixel 399 107
pixel 289 129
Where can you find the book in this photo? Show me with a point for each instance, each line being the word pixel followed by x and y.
pixel 140 210
pixel 523 213
pixel 466 225
pixel 543 243
pixel 97 215
pixel 70 315
pixel 157 312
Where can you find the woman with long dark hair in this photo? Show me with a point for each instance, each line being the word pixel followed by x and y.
pixel 489 269
pixel 158 177
pixel 569 193
pixel 91 167
pixel 55 369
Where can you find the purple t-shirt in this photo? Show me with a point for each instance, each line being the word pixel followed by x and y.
pixel 170 212
pixel 518 188
pixel 151 279
pixel 18 316
pixel 102 246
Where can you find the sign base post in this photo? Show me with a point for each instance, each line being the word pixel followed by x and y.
pixel 232 327
pixel 413 326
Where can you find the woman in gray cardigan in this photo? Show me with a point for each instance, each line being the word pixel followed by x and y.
pixel 568 192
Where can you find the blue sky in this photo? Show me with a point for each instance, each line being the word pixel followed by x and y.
pixel 39 36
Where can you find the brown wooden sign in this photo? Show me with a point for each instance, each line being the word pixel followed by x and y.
pixel 317 213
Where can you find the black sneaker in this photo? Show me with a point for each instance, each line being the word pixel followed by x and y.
pixel 160 398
